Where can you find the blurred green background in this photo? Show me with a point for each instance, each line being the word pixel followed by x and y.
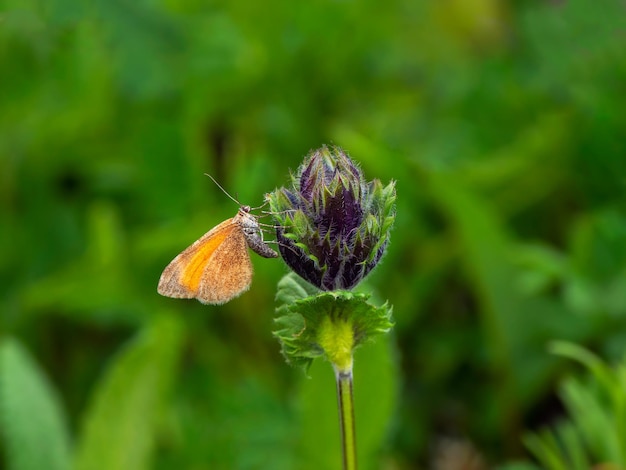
pixel 503 123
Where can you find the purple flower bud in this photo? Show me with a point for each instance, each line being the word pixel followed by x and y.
pixel 333 226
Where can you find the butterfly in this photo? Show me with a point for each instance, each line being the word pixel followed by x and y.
pixel 216 268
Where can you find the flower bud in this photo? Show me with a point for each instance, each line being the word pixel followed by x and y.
pixel 333 226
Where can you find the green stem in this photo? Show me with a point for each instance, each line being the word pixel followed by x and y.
pixel 346 416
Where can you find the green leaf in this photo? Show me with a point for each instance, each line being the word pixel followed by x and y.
pixel 594 429
pixel 32 420
pixel 546 448
pixel 595 365
pixel 593 418
pixel 292 287
pixel 121 422
pixel 308 324
pixel 575 448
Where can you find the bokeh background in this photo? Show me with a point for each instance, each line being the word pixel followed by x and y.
pixel 503 124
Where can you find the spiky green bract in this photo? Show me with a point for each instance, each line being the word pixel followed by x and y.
pixel 333 225
pixel 313 323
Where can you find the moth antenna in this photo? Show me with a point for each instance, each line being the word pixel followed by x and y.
pixel 223 190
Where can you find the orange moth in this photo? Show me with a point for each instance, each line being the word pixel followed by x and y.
pixel 217 267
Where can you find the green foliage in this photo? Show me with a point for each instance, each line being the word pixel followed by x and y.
pixel 32 419
pixel 502 124
pixel 516 325
pixel 376 387
pixel 595 431
pixel 121 422
pixel 332 325
pixel 304 321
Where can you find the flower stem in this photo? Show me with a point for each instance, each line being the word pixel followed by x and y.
pixel 346 416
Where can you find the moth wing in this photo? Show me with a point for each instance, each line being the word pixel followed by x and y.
pixel 229 271
pixel 182 278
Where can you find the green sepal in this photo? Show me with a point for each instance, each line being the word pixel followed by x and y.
pixel 313 323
